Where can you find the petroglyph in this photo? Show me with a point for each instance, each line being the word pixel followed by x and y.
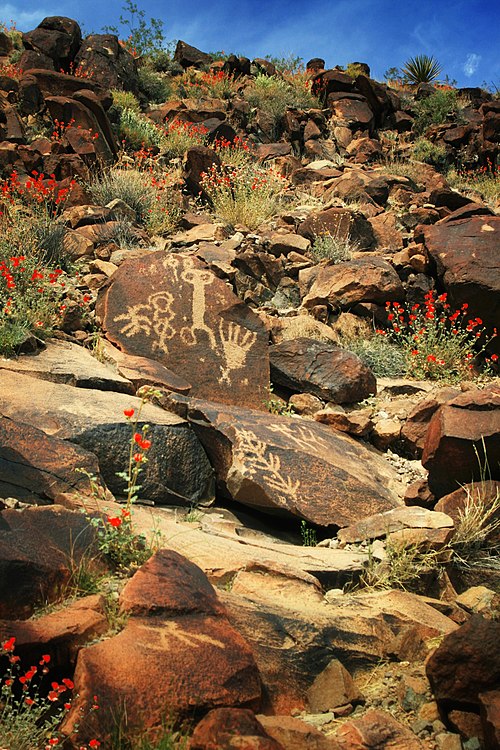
pixel 252 452
pixel 153 317
pixel 156 318
pixel 163 638
pixel 303 437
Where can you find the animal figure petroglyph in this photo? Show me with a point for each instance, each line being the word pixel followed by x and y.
pixel 255 455
pixel 163 638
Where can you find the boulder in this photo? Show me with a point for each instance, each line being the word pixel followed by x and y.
pixel 38 549
pixel 465 254
pixel 332 688
pixel 110 62
pixel 182 655
pixel 295 734
pixel 60 634
pixel 190 57
pixel 342 224
pixel 177 470
pixel 325 370
pixel 58 38
pixel 291 467
pixel 399 519
pixel 36 467
pixel 173 309
pixel 343 285
pixel 466 663
pixel 376 729
pixel 463 440
pixel 228 728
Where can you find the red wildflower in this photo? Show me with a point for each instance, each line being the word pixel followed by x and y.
pixel 129 413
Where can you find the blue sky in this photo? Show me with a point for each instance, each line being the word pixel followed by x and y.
pixel 463 35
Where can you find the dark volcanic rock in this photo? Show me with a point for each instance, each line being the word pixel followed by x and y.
pixel 325 370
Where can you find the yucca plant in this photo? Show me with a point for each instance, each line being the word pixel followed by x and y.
pixel 421 69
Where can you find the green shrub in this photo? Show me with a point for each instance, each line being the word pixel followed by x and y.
pixel 155 87
pixel 385 359
pixel 332 247
pixel 354 70
pixel 125 100
pixel 430 153
pixel 435 109
pixel 138 131
pixel 287 63
pixel 421 69
pixel 275 95
pixel 247 194
pixel 484 181
pixel 179 136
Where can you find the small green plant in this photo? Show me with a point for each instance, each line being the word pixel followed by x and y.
pixel 483 181
pixel 403 567
pixel 354 70
pixel 277 405
pixel 121 232
pixel 138 131
pixel 155 87
pixel 439 344
pixel 30 709
pixel 435 109
pixel 235 153
pixel 273 95
pixel 421 69
pixel 384 358
pixel 179 136
pixel 308 535
pixel 247 194
pixel 333 246
pixel 125 100
pixel 288 63
pixel 430 153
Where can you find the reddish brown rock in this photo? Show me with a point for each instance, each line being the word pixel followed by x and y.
pixel 142 371
pixel 37 546
pixel 341 223
pixel 453 451
pixel 60 634
pixel 466 663
pixel 190 57
pixel 295 734
pixel 198 160
pixel 177 655
pixel 35 467
pixel 57 37
pixel 416 424
pixel 332 688
pixel 293 468
pixel 381 524
pixel 172 309
pixel 228 728
pixel 376 729
pixel 356 113
pixel 323 369
pixel 490 716
pixel 344 284
pixel 466 256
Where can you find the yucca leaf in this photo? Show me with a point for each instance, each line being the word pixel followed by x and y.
pixel 421 69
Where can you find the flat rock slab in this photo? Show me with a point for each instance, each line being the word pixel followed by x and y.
pixel 35 467
pixel 293 467
pixel 382 524
pixel 172 308
pixel 179 656
pixel 325 370
pixel 64 362
pixel 177 470
pixel 293 645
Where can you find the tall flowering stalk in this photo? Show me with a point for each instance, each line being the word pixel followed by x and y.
pixel 440 343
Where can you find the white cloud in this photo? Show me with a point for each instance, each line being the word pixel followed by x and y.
pixel 24 19
pixel 471 64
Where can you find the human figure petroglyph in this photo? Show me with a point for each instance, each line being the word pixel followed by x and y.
pixel 154 316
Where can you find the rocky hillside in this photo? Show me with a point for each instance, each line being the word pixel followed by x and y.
pixel 249 403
